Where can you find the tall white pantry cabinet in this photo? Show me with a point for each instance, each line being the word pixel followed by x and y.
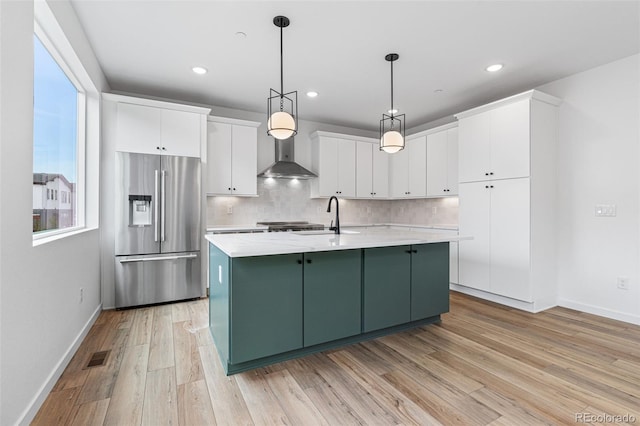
pixel 507 175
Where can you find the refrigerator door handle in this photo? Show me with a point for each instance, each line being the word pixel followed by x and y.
pixel 163 189
pixel 158 258
pixel 155 208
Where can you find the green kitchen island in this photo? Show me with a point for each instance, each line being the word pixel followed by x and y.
pixel 281 295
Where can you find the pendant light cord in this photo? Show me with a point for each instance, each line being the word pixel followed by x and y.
pixel 281 68
pixel 391 89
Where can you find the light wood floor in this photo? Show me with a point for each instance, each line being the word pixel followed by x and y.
pixel 484 364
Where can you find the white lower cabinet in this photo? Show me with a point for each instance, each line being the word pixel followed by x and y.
pixel 497 215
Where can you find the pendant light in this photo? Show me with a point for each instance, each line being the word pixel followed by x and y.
pixel 282 121
pixel 392 126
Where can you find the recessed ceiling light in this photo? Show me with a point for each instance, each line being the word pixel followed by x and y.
pixel 494 67
pixel 393 111
pixel 312 94
pixel 199 70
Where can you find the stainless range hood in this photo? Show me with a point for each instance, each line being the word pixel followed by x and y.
pixel 285 167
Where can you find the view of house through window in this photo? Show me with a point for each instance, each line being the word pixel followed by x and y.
pixel 55 144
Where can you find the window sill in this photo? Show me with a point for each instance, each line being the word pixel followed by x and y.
pixel 44 239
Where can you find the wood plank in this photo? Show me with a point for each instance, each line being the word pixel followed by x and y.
pixel 91 413
pixel 263 405
pixel 74 374
pixel 125 407
pixel 405 409
pixel 180 312
pixel 229 407
pixel 194 404
pixel 332 407
pixel 199 311
pixel 431 403
pixel 57 408
pixel 187 356
pixel 160 398
pixel 141 327
pixel 161 351
pixel 100 381
pixel 512 412
pixel 368 408
pixel 296 404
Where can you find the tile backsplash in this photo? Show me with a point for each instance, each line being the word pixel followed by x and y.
pixel 286 199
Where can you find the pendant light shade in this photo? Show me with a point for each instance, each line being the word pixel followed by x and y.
pixel 282 108
pixel 392 126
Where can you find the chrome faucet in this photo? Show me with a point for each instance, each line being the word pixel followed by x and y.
pixel 337 227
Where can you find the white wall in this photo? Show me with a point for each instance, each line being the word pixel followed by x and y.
pixel 41 318
pixel 598 163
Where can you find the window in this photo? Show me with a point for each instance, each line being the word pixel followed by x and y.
pixel 58 139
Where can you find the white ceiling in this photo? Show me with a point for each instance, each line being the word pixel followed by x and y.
pixel 337 48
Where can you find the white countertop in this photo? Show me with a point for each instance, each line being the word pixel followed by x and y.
pixel 237 228
pixel 270 243
pixel 258 228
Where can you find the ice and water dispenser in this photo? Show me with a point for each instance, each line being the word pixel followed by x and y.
pixel 140 210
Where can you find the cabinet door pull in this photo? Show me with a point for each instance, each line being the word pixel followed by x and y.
pixel 229 189
pixel 486 174
pixel 234 189
pixel 486 186
pixel 491 173
pixel 299 262
pixel 414 251
pixel 308 260
pixel 157 147
pixel 407 251
pixel 490 186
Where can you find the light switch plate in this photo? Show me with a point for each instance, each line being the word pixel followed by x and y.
pixel 605 210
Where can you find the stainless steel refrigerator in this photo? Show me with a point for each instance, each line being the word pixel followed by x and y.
pixel 158 229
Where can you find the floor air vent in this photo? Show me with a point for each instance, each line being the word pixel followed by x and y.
pixel 98 359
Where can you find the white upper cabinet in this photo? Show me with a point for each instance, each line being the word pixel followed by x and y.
pixel 155 127
pixel 181 133
pixel 442 163
pixel 334 161
pixel 408 169
pixel 495 144
pixel 372 170
pixel 232 157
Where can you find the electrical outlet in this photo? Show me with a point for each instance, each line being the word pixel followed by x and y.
pixel 81 294
pixel 229 209
pixel 623 283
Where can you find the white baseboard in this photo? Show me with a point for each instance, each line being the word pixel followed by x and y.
pixel 32 409
pixel 595 310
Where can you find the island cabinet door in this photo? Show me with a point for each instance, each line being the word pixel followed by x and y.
pixel 429 280
pixel 332 295
pixel 265 305
pixel 387 287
